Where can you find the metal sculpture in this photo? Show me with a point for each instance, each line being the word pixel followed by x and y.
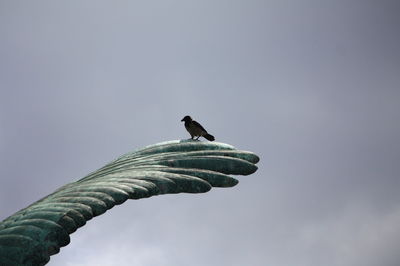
pixel 33 234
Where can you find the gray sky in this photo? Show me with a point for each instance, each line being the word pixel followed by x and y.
pixel 312 87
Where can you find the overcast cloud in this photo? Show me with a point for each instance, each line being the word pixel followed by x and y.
pixel 312 87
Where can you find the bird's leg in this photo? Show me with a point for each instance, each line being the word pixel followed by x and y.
pixel 197 137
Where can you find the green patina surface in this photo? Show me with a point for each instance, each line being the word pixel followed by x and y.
pixel 33 234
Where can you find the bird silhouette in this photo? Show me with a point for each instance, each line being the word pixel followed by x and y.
pixel 195 129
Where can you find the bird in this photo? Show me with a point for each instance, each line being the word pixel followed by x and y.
pixel 195 129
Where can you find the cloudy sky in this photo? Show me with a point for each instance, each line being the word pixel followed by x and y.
pixel 312 87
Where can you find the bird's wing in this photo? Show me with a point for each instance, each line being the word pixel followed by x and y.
pixel 32 235
pixel 197 124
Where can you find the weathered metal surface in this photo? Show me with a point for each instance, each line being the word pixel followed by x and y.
pixel 32 235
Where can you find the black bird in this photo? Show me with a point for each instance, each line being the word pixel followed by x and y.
pixel 195 129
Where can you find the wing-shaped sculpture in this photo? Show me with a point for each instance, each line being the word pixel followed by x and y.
pixel 32 235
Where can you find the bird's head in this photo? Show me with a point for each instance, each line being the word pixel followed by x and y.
pixel 186 119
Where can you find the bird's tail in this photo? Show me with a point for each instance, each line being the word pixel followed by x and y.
pixel 209 137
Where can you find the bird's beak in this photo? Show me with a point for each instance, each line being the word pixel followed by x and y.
pixel 182 120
